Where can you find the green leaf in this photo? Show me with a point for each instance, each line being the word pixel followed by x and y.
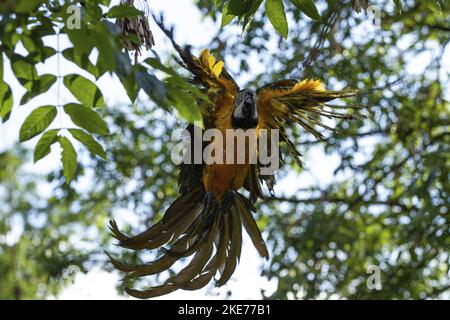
pixel 124 65
pixel 187 107
pixel 183 101
pixel 277 17
pixel 112 28
pixel 124 11
pixel 86 118
pixel 81 60
pixel 129 83
pixel 26 73
pixel 93 10
pixel 46 53
pixel 6 100
pixel 33 43
pixel 248 17
pixel 106 45
pixel 38 87
pixel 151 85
pixel 37 121
pixel 89 142
pixel 43 146
pixel 307 7
pixel 218 3
pixel 239 7
pixel 69 158
pixel 27 6
pixel 84 90
pixel 157 64
pixel 44 28
pixel 398 5
pixel 24 70
pixel 82 40
pixel 227 17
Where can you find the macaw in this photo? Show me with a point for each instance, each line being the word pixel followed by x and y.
pixel 206 220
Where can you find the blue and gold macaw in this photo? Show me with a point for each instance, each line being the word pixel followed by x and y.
pixel 206 220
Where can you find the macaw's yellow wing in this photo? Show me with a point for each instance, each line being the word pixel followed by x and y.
pixel 209 74
pixel 288 102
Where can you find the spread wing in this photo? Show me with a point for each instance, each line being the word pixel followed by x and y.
pixel 208 74
pixel 285 103
pixel 213 79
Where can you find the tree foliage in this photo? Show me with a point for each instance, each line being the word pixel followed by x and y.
pixel 25 23
pixel 387 203
pixel 40 240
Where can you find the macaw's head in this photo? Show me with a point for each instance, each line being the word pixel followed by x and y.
pixel 245 115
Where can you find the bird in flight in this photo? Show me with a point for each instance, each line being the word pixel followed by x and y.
pixel 205 222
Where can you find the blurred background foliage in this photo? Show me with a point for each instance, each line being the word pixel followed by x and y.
pixel 387 204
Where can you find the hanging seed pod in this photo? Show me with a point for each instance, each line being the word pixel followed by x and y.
pixel 136 33
pixel 358 4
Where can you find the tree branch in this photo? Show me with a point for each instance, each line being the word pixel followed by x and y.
pixel 326 199
pixel 358 135
pixel 437 27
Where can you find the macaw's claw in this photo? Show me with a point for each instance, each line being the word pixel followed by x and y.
pixel 228 200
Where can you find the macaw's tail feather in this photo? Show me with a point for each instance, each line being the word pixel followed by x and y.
pixel 212 235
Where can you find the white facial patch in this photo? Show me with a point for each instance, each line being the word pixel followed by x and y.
pixel 238 111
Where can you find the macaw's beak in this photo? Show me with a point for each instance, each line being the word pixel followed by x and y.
pixel 249 106
pixel 248 109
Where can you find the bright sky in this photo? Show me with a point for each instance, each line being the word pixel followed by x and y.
pixel 192 29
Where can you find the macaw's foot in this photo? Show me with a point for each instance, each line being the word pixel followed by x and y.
pixel 228 200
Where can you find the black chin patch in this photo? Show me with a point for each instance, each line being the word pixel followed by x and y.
pixel 244 123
